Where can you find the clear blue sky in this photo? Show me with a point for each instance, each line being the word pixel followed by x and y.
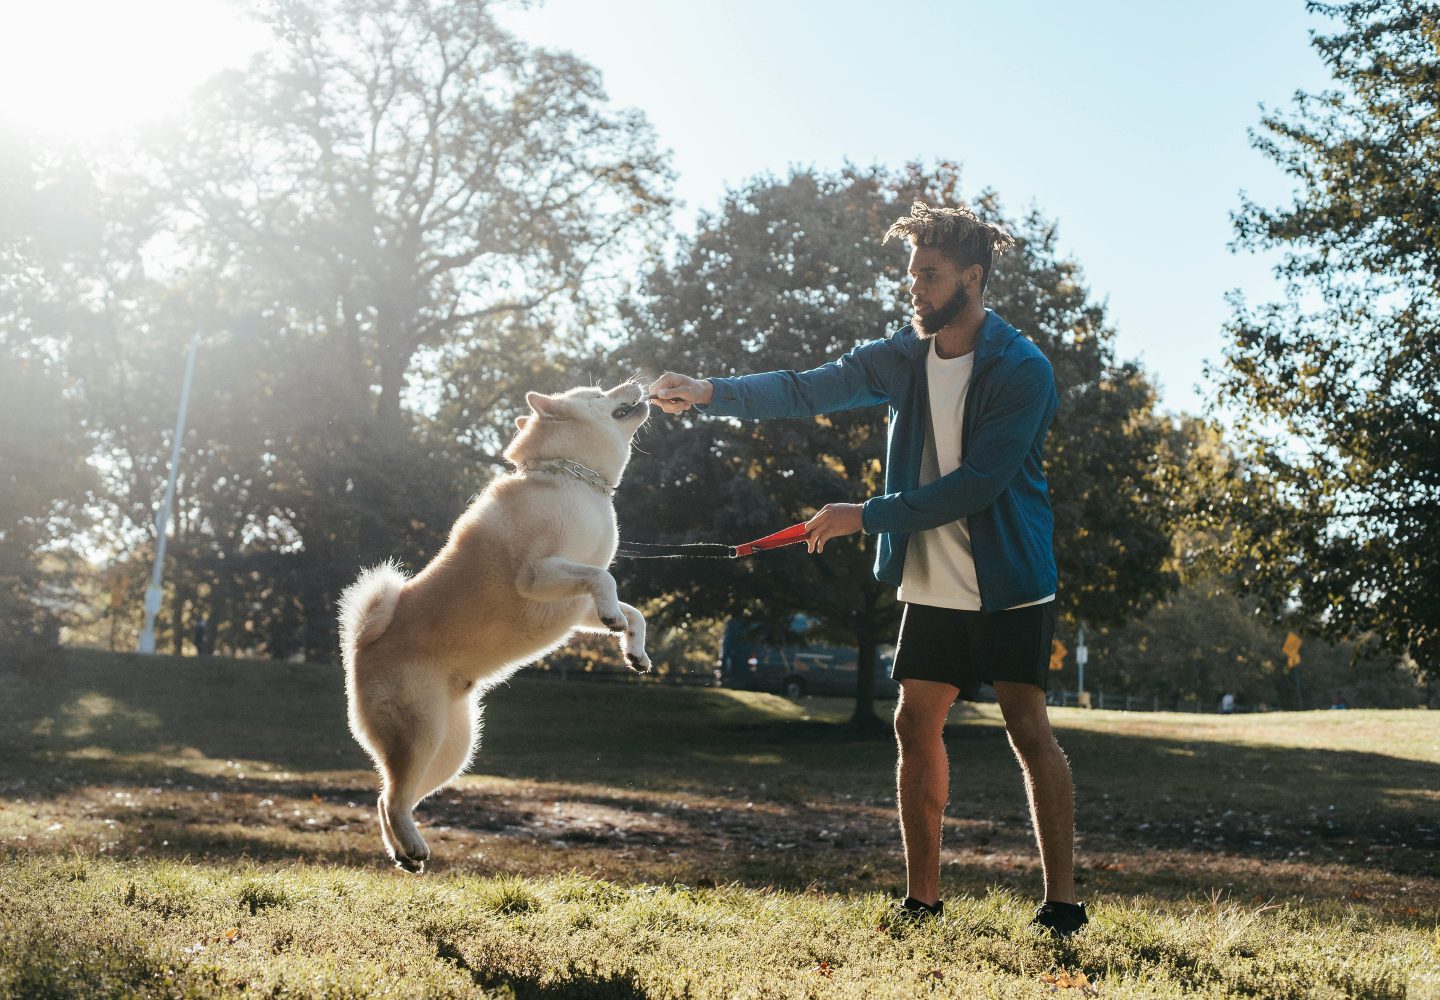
pixel 1124 122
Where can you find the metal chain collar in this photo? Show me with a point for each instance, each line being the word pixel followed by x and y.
pixel 588 476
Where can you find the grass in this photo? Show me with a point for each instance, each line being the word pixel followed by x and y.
pixel 205 828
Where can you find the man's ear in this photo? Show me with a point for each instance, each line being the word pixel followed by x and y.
pixel 978 273
pixel 545 406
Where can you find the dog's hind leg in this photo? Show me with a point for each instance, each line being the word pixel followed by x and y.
pixel 462 736
pixel 404 752
pixel 387 835
pixel 398 798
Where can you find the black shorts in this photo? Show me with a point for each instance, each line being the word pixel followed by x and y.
pixel 969 648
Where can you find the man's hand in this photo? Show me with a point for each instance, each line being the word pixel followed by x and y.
pixel 835 520
pixel 677 393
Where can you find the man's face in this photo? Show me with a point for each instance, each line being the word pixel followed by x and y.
pixel 938 290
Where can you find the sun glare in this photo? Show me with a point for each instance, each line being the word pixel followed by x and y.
pixel 86 68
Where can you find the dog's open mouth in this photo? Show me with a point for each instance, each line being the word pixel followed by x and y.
pixel 624 410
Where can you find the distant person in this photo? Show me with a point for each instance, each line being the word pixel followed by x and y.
pixel 202 636
pixel 965 530
pixel 1227 704
pixel 1338 701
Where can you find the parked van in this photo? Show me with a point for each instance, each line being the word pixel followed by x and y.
pixel 751 660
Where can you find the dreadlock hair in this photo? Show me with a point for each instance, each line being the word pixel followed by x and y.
pixel 957 233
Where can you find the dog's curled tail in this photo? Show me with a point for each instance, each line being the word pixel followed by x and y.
pixel 367 606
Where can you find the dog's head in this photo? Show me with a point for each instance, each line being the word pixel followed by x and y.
pixel 587 425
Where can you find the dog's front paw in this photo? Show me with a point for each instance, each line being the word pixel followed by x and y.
pixel 640 664
pixel 612 618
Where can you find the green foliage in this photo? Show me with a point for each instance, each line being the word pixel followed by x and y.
pixel 1335 392
pixel 378 224
pixel 1116 484
pixel 38 466
pixel 1207 638
pixel 788 275
pixel 1203 641
pixel 43 476
pixel 791 274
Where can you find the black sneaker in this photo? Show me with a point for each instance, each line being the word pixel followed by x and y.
pixel 912 911
pixel 1060 919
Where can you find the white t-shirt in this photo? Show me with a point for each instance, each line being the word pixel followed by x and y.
pixel 939 566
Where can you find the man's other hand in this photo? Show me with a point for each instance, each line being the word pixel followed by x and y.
pixel 677 393
pixel 835 520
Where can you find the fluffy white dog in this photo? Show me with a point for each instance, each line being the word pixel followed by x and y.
pixel 524 567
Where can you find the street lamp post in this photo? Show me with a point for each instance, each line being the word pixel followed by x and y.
pixel 155 593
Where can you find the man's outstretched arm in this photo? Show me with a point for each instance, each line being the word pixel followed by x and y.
pixel 676 393
pixel 860 378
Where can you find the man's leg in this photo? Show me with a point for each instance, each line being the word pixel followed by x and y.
pixel 922 780
pixel 1047 782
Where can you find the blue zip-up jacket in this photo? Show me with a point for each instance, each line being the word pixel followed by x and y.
pixel 1000 485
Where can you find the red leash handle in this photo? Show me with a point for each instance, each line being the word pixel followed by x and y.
pixel 790 536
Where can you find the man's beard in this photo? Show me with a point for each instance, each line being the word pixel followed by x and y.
pixel 944 316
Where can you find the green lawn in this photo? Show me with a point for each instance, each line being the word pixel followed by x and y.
pixel 206 828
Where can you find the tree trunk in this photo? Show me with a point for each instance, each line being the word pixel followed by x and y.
pixel 387 405
pixel 177 616
pixel 864 717
pixel 393 322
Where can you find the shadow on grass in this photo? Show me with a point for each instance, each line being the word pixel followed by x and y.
pixel 635 749
pixel 576 985
pixel 291 715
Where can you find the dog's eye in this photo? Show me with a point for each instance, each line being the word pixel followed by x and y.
pixel 623 412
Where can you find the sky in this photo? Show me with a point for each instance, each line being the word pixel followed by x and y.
pixel 1124 123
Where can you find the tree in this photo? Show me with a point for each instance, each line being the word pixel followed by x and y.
pixel 786 275
pixel 789 274
pixel 1112 469
pixel 1204 640
pixel 406 172
pixel 43 476
pixel 409 190
pixel 1335 392
pixel 1209 638
pixel 395 203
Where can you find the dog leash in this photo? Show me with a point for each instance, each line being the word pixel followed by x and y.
pixel 792 535
pixel 711 550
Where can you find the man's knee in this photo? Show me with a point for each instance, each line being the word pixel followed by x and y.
pixel 1026 719
pixel 1029 738
pixel 1029 732
pixel 914 728
pixel 920 713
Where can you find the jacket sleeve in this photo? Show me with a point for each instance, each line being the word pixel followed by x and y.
pixel 859 378
pixel 1002 439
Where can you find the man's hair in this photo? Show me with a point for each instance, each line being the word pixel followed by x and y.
pixel 956 232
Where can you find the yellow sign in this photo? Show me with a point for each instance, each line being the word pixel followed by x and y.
pixel 1292 651
pixel 1057 654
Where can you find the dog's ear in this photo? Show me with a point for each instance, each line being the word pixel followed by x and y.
pixel 522 420
pixel 546 406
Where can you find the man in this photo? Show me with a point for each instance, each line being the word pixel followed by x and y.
pixel 965 529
